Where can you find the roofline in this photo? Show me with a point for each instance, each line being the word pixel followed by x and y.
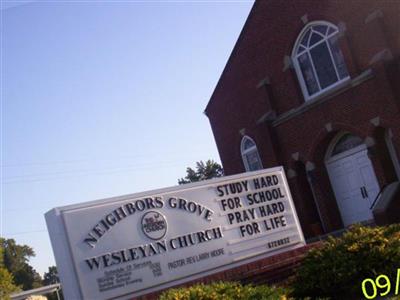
pixel 235 47
pixel 38 291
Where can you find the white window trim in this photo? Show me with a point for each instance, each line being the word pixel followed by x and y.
pixel 245 152
pixel 297 65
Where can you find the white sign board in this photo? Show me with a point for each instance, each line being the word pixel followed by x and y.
pixel 123 247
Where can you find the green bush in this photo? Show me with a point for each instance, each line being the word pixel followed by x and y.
pixel 338 268
pixel 7 286
pixel 225 291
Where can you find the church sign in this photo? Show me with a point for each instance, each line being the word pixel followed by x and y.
pixel 127 246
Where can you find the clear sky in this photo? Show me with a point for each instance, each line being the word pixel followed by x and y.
pixel 104 98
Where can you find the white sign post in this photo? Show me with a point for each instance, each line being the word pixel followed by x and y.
pixel 127 246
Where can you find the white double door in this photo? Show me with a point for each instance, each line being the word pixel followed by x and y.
pixel 354 183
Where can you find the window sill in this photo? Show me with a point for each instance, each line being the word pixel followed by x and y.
pixel 331 93
pixel 330 90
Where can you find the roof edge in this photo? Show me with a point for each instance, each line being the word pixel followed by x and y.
pixel 235 47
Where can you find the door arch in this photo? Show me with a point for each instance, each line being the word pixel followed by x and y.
pixel 352 177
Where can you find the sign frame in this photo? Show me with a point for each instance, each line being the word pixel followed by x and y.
pixel 63 250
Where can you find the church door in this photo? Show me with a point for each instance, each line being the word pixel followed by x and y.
pixel 354 183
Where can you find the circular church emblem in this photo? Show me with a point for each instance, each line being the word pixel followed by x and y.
pixel 154 225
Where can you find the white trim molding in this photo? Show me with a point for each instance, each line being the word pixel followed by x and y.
pixel 318 40
pixel 248 149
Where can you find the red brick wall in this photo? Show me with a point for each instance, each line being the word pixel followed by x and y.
pixel 267 37
pixel 272 270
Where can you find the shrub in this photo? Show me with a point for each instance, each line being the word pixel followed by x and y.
pixel 338 268
pixel 7 286
pixel 224 291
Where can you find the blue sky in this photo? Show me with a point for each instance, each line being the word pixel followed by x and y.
pixel 101 99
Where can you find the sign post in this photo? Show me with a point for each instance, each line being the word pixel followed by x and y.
pixel 127 246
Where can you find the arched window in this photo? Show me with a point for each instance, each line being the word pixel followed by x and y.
pixel 317 58
pixel 250 156
pixel 346 142
pixel 342 142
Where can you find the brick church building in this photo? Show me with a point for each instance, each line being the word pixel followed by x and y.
pixel 314 86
